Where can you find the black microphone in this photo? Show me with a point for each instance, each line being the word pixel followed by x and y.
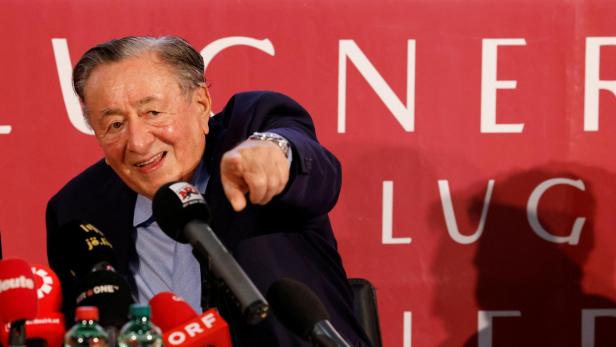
pixel 86 248
pixel 109 292
pixel 92 260
pixel 181 212
pixel 299 309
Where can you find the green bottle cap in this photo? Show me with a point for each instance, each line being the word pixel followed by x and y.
pixel 139 310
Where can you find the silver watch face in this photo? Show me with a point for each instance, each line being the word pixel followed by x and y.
pixel 280 141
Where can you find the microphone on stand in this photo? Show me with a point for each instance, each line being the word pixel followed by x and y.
pixel 17 298
pixel 299 309
pixel 181 212
pixel 86 248
pixel 47 328
pixel 48 289
pixel 183 327
pixel 169 310
pixel 107 291
pixel 91 258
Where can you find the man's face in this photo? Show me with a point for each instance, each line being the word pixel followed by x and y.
pixel 151 132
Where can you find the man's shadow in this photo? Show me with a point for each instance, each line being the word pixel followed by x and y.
pixel 533 283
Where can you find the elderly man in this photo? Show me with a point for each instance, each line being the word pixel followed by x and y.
pixel 267 180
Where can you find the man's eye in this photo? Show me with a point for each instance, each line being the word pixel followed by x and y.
pixel 115 126
pixel 153 113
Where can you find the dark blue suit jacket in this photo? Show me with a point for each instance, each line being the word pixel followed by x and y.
pixel 291 236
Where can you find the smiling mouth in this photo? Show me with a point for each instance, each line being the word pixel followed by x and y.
pixel 152 162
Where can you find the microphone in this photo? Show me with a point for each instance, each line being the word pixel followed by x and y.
pixel 109 292
pixel 17 298
pixel 299 309
pixel 48 289
pixel 44 330
pixel 86 248
pixel 47 328
pixel 183 327
pixel 170 310
pixel 181 212
pixel 90 257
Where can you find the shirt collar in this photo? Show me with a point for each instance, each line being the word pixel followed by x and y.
pixel 143 205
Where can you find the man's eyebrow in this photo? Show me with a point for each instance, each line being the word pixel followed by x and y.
pixel 141 102
pixel 147 100
pixel 110 111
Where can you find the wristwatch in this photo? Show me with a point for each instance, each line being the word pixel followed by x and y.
pixel 276 139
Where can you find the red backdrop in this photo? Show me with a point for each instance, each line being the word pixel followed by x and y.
pixel 436 110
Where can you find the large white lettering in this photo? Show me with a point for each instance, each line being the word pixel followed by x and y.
pixel 5 129
pixel 451 221
pixel 450 216
pixel 533 218
pixel 485 325
pixel 388 217
pixel 490 84
pixel 210 51
pixel 407 329
pixel 404 114
pixel 65 72
pixel 593 83
pixel 588 324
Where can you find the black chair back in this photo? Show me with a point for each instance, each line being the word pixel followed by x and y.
pixel 365 307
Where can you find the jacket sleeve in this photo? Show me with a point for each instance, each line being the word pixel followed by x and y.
pixel 56 260
pixel 315 173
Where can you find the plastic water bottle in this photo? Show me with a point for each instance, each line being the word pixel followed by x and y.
pixel 140 331
pixel 86 332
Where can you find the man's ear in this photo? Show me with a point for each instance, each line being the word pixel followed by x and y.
pixel 204 101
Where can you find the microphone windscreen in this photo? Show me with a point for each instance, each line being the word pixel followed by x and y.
pixel 170 310
pixel 109 292
pixel 296 306
pixel 48 289
pixel 17 291
pixel 84 246
pixel 47 328
pixel 176 204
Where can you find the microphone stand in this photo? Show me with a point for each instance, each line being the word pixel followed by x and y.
pixel 17 333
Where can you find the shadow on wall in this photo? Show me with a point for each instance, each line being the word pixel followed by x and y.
pixel 528 289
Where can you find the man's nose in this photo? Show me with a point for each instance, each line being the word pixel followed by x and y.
pixel 140 136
